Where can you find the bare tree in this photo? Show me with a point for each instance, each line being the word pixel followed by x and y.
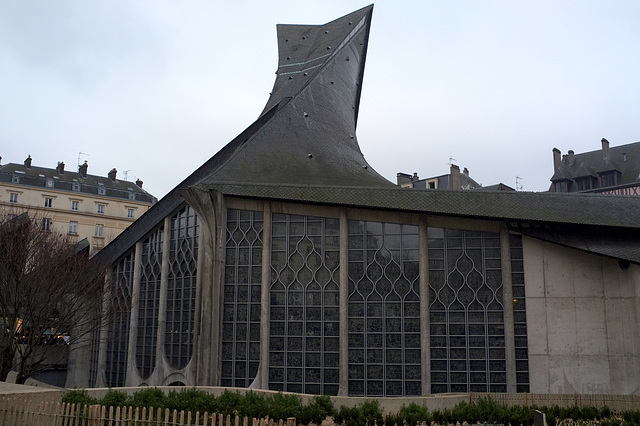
pixel 50 295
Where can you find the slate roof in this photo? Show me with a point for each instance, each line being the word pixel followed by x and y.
pixel 623 158
pixel 38 176
pixel 303 148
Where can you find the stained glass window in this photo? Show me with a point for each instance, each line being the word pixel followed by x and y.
pixel 241 298
pixel 304 304
pixel 466 311
pixel 181 287
pixel 384 310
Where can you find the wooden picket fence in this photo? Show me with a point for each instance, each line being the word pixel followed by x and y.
pixel 64 414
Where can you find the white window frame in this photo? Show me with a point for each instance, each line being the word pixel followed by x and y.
pixel 75 205
pixel 13 197
pixel 130 213
pixel 98 231
pixel 73 227
pixel 46 224
pixel 100 208
pixel 48 202
pixel 75 186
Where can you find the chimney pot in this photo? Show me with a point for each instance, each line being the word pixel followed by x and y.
pixel 570 157
pixel 606 156
pixel 139 183
pixel 27 162
pixel 454 178
pixel 83 169
pixel 112 174
pixel 465 171
pixel 60 167
pixel 557 159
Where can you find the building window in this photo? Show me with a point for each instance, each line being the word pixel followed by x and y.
pixel 130 213
pixel 75 186
pixel 46 224
pixel 98 231
pixel 49 183
pixel 15 179
pixel 73 227
pixel 13 197
pixel 149 303
pixel 101 189
pixel 48 202
pixel 304 348
pixel 242 292
pixel 100 208
pixel 74 206
pixel 384 349
pixel 181 288
pixel 118 327
pixel 466 309
pixel 132 196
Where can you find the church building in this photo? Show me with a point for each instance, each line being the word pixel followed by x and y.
pixel 286 262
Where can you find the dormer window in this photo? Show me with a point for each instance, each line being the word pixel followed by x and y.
pixel 101 189
pixel 49 183
pixel 132 196
pixel 608 179
pixel 15 179
pixel 75 186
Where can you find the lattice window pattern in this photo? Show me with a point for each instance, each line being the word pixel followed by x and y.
pixel 466 311
pixel 384 310
pixel 241 298
pixel 304 304
pixel 118 326
pixel 519 314
pixel 181 287
pixel 149 303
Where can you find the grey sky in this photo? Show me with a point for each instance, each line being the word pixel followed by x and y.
pixel 158 87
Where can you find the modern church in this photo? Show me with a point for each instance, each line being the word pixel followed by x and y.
pixel 286 262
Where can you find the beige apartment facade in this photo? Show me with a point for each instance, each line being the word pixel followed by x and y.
pixel 73 203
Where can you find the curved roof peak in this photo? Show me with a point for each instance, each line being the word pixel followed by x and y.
pixel 307 132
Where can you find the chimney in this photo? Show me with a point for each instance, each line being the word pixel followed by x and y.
pixel 83 169
pixel 465 171
pixel 415 176
pixel 112 174
pixel 139 183
pixel 454 178
pixel 557 159
pixel 60 167
pixel 570 157
pixel 27 162
pixel 606 156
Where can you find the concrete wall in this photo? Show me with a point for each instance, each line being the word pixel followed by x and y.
pixel 582 321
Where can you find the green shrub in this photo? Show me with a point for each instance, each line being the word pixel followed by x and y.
pixel 412 414
pixel 115 398
pixel 282 406
pixel 253 405
pixel 149 397
pixel 190 400
pixel 317 410
pixel 78 396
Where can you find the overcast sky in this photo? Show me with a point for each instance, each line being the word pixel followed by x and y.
pixel 157 87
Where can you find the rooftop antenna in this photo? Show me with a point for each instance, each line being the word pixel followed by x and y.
pixel 126 174
pixel 451 160
pixel 80 154
pixel 519 183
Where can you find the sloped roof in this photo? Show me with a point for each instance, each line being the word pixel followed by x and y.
pixel 35 176
pixel 303 148
pixel 623 158
pixel 607 225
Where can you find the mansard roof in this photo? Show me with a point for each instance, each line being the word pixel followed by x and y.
pixel 37 177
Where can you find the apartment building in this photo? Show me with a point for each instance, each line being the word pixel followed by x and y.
pixel 74 203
